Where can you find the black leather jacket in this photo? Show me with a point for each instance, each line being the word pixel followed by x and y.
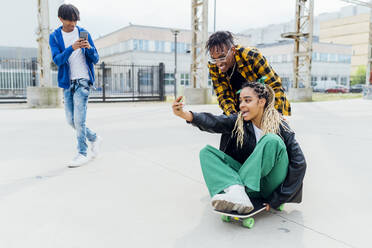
pixel 291 189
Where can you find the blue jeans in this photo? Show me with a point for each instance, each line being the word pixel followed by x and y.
pixel 76 100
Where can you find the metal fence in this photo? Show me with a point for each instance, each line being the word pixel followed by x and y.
pixel 128 83
pixel 16 76
pixel 113 82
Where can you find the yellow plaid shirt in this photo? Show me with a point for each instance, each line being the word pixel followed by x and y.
pixel 252 65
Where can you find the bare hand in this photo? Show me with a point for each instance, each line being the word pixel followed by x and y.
pixel 267 208
pixel 178 110
pixel 85 44
pixel 178 107
pixel 77 44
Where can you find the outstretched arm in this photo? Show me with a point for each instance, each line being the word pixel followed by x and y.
pixel 205 121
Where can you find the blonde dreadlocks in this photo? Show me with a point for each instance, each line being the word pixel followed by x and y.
pixel 271 119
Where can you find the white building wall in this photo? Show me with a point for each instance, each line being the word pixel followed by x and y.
pixel 330 62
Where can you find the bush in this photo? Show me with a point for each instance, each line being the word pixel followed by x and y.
pixel 359 76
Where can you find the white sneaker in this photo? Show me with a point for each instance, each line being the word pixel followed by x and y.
pixel 95 146
pixel 79 160
pixel 235 199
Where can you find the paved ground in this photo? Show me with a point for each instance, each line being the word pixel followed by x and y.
pixel 146 189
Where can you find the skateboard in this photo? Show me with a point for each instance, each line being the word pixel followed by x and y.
pixel 246 219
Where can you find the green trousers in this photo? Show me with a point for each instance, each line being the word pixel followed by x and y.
pixel 263 171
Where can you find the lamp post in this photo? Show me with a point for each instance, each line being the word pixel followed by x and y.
pixel 175 33
pixel 214 28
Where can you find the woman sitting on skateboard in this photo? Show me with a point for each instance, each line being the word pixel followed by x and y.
pixel 262 158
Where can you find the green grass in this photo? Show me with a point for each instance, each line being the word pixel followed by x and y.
pixel 320 97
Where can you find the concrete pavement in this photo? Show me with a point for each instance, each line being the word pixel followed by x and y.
pixel 146 188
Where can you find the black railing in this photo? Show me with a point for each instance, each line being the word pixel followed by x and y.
pixel 113 82
pixel 128 83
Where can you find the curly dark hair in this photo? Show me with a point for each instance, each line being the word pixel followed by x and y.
pixel 220 39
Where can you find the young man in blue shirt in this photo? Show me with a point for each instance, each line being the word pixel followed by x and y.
pixel 75 58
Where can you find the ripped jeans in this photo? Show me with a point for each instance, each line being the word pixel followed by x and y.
pixel 76 100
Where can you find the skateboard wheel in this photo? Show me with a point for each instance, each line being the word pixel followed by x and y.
pixel 249 222
pixel 281 207
pixel 225 218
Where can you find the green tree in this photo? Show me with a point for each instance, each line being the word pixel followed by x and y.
pixel 359 77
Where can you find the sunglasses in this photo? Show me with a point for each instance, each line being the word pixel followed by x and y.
pixel 218 60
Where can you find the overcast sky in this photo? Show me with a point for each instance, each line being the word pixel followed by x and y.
pixel 101 17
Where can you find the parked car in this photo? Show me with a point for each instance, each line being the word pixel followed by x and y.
pixel 357 88
pixel 322 86
pixel 337 89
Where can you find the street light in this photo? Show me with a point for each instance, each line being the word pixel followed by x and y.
pixel 175 33
pixel 214 25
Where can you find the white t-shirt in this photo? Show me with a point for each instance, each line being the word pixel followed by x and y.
pixel 78 65
pixel 257 132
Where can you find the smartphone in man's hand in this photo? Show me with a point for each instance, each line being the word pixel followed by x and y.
pixel 83 35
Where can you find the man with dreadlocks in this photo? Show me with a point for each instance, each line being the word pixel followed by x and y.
pixel 231 65
pixel 261 159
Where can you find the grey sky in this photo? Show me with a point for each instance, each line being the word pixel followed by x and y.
pixel 102 17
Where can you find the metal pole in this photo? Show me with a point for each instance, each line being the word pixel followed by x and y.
pixel 369 66
pixel 175 32
pixel 214 29
pixel 161 81
pixel 175 65
pixel 103 81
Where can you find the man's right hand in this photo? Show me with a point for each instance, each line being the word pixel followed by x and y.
pixel 77 44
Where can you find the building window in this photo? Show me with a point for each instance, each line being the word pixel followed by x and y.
pixel 210 82
pixel 141 45
pixel 124 46
pixel 324 78
pixel 348 59
pixel 334 79
pixel 313 80
pixel 344 80
pixel 332 57
pixel 145 77
pixel 285 83
pixel 188 48
pixel 159 46
pixel 181 47
pixel 185 79
pixel 324 57
pixel 116 48
pixel 135 45
pixel 315 56
pixel 145 45
pixel 284 58
pixel 344 58
pixel 169 79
